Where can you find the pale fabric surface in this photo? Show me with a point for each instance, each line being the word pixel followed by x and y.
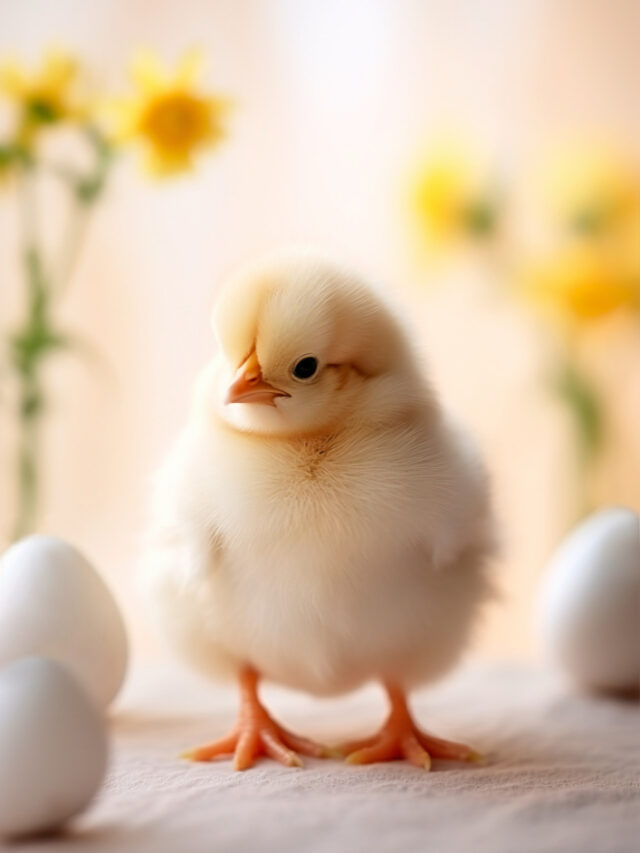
pixel 563 774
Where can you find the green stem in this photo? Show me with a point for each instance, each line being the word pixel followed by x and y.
pixel 38 337
pixel 578 395
pixel 28 458
pixel 71 245
pixel 31 402
pixel 85 190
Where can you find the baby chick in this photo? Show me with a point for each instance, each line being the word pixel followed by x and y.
pixel 319 522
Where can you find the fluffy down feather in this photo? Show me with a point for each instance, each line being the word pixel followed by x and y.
pixel 338 535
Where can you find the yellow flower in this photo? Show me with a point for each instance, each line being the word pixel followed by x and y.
pixel 584 281
pixel 169 116
pixel 590 188
pixel 45 97
pixel 593 266
pixel 453 196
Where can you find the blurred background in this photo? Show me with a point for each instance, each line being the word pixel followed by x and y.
pixel 478 160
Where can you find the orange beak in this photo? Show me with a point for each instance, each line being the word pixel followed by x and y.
pixel 248 386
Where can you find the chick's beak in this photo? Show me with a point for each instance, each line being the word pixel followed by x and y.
pixel 248 386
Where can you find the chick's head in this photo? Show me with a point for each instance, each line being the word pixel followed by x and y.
pixel 304 345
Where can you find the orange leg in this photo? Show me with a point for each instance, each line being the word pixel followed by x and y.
pixel 400 738
pixel 255 734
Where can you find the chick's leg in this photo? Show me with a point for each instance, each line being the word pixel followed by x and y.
pixel 256 733
pixel 401 738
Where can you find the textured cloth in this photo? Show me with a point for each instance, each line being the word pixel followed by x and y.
pixel 562 774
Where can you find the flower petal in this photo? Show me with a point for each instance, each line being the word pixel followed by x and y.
pixel 189 68
pixel 12 79
pixel 147 72
pixel 57 71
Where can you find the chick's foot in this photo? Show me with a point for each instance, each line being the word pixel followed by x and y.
pixel 256 733
pixel 400 738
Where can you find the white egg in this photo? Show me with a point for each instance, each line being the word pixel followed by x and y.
pixel 53 603
pixel 53 747
pixel 590 602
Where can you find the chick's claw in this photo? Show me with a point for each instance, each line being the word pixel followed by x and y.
pixel 256 734
pixel 250 740
pixel 400 738
pixel 223 746
pixel 388 747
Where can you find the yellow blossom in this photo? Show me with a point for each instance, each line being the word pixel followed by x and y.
pixel 44 97
pixel 590 188
pixel 584 281
pixel 593 265
pixel 453 197
pixel 168 115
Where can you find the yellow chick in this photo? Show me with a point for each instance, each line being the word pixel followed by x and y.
pixel 319 522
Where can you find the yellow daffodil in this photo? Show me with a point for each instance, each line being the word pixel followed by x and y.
pixel 591 188
pixel 593 267
pixel 169 116
pixel 584 282
pixel 453 198
pixel 44 97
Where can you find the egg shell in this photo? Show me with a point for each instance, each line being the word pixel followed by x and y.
pixel 590 602
pixel 53 603
pixel 53 747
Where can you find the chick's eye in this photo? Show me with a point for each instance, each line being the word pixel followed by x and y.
pixel 306 367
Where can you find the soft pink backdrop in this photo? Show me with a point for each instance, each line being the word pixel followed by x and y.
pixel 332 100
